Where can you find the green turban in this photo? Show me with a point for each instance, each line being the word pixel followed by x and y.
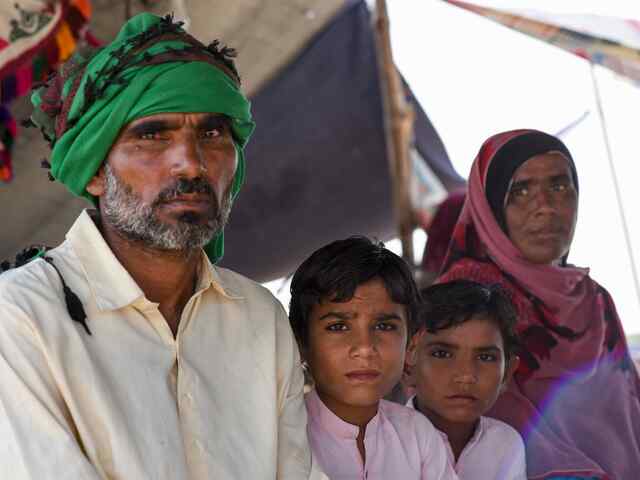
pixel 152 67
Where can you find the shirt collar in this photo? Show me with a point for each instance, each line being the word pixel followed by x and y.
pixel 110 283
pixel 329 421
pixel 480 427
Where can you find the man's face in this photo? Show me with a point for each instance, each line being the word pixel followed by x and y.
pixel 356 349
pixel 458 371
pixel 167 180
pixel 541 208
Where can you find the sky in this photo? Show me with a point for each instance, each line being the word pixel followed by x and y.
pixel 475 78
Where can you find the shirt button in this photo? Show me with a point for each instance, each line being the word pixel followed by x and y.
pixel 198 445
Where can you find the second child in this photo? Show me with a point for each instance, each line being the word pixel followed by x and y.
pixel 352 310
pixel 458 363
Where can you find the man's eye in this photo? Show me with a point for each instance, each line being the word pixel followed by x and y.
pixel 440 354
pixel 560 187
pixel 386 326
pixel 213 133
pixel 337 327
pixel 488 357
pixel 150 136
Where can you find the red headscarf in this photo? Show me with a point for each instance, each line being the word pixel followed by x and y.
pixel 575 397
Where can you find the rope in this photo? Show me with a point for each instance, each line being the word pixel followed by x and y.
pixel 616 186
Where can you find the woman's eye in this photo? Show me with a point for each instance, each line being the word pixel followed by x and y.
pixel 488 357
pixel 337 327
pixel 519 192
pixel 440 354
pixel 386 326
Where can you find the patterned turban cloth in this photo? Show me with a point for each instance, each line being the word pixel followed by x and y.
pixel 153 66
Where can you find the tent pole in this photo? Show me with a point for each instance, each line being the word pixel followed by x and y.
pixel 616 185
pixel 398 121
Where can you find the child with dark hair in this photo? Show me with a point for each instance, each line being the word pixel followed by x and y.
pixel 353 307
pixel 458 362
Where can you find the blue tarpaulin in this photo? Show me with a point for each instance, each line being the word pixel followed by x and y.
pixel 317 167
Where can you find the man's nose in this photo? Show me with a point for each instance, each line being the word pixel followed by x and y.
pixel 186 158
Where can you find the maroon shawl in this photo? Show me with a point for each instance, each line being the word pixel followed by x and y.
pixel 440 230
pixel 575 396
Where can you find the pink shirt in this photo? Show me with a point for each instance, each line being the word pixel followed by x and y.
pixel 400 444
pixel 495 452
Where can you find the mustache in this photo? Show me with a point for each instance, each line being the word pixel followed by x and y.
pixel 185 186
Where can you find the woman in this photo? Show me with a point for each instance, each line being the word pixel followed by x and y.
pixel 575 396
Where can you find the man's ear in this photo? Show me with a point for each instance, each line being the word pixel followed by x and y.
pixel 509 370
pixel 96 185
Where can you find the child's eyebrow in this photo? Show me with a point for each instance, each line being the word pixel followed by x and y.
pixel 442 345
pixel 388 316
pixel 489 348
pixel 338 315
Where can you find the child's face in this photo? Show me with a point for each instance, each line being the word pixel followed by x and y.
pixel 356 350
pixel 458 372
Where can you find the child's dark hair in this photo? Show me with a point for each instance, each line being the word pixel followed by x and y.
pixel 335 271
pixel 452 303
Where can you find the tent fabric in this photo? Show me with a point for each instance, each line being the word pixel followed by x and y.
pixel 308 181
pixel 317 167
pixel 610 42
pixel 34 38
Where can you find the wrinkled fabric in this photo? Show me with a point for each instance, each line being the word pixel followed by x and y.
pixel 222 399
pixel 399 442
pixel 494 452
pixel 575 396
pixel 440 230
pixel 93 106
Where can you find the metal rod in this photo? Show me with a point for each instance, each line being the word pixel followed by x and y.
pixel 399 117
pixel 616 185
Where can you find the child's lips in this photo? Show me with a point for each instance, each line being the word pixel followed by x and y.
pixel 462 399
pixel 364 375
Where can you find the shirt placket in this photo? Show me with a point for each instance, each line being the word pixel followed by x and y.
pixel 362 463
pixel 186 396
pixel 370 451
pixel 183 382
pixel 469 446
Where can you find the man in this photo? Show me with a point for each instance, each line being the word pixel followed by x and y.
pixel 124 354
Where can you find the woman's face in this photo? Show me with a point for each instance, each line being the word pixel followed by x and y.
pixel 541 208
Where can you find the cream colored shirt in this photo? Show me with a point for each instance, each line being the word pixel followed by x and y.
pixel 223 400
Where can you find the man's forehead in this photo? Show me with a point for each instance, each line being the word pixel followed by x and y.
pixel 172 118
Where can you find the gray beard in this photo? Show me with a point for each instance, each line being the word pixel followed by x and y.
pixel 138 221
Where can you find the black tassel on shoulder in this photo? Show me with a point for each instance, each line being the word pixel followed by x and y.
pixel 74 305
pixel 28 123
